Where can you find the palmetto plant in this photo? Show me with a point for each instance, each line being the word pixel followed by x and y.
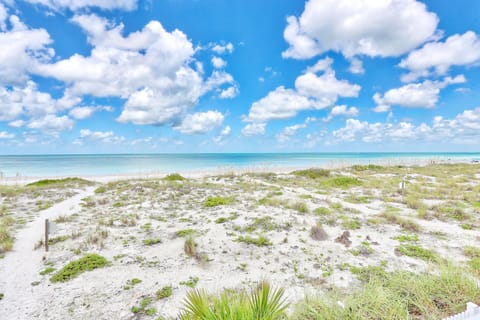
pixel 263 303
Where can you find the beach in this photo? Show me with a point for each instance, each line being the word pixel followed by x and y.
pixel 309 231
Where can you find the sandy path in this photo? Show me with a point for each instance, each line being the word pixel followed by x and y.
pixel 20 267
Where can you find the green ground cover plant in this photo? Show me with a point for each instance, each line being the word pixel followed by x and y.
pixel 313 173
pixel 59 182
pixel 218 201
pixel 260 241
pixel 342 182
pixel 87 263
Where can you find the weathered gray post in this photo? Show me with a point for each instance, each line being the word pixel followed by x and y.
pixel 46 235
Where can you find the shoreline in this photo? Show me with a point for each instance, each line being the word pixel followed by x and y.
pixel 233 170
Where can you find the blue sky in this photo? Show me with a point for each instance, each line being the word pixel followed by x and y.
pixel 105 76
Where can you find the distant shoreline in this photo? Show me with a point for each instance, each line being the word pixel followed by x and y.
pixel 228 170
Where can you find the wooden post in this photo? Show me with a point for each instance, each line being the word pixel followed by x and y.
pixel 46 235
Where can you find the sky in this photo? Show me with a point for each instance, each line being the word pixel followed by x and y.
pixel 166 76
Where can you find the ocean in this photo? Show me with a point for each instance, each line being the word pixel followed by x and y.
pixel 118 164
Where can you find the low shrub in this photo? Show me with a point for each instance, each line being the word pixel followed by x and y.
pixel 87 263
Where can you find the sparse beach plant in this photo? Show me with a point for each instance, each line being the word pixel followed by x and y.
pixel 100 189
pixel 47 270
pixel 300 206
pixel 341 182
pixel 174 177
pixel 143 307
pixel 185 233
pixel 218 201
pixel 221 220
pixel 416 251
pixel 313 173
pixel 150 242
pixel 190 247
pixel 164 292
pixel 191 282
pixel 260 241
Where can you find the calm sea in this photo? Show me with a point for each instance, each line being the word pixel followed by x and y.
pixel 112 164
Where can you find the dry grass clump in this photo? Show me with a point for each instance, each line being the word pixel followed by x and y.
pixel 318 233
pixel 392 215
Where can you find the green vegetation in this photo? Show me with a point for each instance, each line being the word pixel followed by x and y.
pixel 221 220
pixel 150 242
pixel 264 223
pixel 370 273
pixel 59 182
pixel 474 265
pixel 101 189
pixel 322 211
pixel 351 224
pixel 73 269
pixel 392 216
pixel 415 251
pixel 47 270
pixel 143 307
pixel 163 293
pixel 174 177
pixel 218 201
pixel 261 241
pixel 372 167
pixel 191 282
pixel 6 239
pixel 313 173
pixel 263 303
pixel 185 233
pixel 58 239
pixel 406 238
pixel 1 296
pixel 342 182
pixel 299 206
pixel 132 282
pixel 397 296
pixel 472 252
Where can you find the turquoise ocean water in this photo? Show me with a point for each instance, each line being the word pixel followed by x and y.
pixel 112 164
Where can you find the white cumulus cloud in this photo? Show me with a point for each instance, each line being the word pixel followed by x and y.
pixel 221 49
pixel 253 129
pixel 22 49
pixel 414 95
pixel 160 80
pixel 6 135
pixel 362 27
pixel 200 122
pixel 218 62
pixel 464 128
pixel 79 4
pixel 103 136
pixel 439 57
pixel 312 92
pixel 342 110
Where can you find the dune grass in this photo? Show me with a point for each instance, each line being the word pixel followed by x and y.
pixel 396 295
